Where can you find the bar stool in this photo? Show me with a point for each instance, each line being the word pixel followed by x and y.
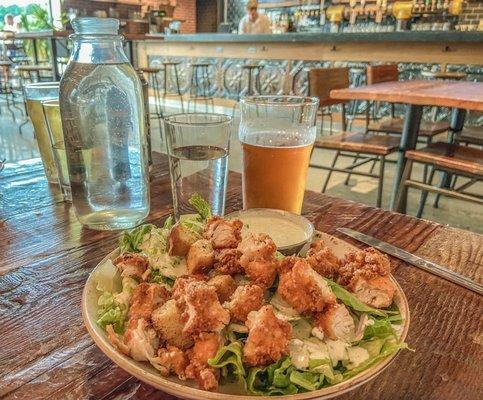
pixel 448 158
pixel 200 86
pixel 152 78
pixel 7 90
pixel 348 144
pixel 446 76
pixel 253 79
pixel 169 68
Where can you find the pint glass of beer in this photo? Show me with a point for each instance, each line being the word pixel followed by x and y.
pixel 277 135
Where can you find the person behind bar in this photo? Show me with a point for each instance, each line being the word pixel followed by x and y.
pixel 9 25
pixel 254 22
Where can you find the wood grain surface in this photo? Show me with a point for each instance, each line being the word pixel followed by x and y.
pixel 454 94
pixel 46 256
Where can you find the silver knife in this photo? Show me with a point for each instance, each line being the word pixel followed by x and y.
pixel 419 262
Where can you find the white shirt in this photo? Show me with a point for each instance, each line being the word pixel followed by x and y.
pixel 261 25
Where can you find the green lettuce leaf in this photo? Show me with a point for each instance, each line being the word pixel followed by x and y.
pixel 352 301
pixel 201 206
pixel 273 380
pixel 381 328
pixel 307 380
pixel 231 356
pixel 158 277
pixel 388 347
pixel 130 240
pixel 110 312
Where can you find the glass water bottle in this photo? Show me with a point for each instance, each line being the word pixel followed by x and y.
pixel 101 103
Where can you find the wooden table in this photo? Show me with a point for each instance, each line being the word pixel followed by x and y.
pixel 46 256
pixel 460 96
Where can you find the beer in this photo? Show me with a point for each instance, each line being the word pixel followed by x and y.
pixel 36 114
pixel 274 176
pixel 277 135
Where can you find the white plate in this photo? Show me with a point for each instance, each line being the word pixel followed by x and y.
pixel 187 389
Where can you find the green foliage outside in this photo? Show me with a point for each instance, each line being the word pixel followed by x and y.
pixel 33 18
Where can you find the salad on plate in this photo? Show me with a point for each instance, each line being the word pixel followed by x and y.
pixel 198 300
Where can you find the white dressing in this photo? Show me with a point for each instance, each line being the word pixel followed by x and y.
pixel 337 350
pixel 357 355
pixel 299 354
pixel 283 231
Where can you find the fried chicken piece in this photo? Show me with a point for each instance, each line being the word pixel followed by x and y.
pixel 180 284
pixel 145 299
pixel 180 240
pixel 131 265
pixel 367 264
pixel 258 261
pixel 172 360
pixel 366 274
pixel 205 347
pixel 200 256
pixel 304 289
pixel 323 260
pixel 257 246
pixel 227 261
pixel 377 292
pixel 246 298
pixel 223 233
pixel 268 337
pixel 336 323
pixel 168 322
pixel 138 342
pixel 202 311
pixel 225 285
pixel 286 264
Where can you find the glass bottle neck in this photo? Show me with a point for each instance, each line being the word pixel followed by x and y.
pixel 98 49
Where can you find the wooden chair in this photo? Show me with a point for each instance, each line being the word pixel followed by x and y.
pixel 393 125
pixel 318 88
pixel 450 158
pixel 348 144
pixel 471 135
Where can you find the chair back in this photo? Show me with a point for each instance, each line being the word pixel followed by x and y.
pixel 382 73
pixel 323 80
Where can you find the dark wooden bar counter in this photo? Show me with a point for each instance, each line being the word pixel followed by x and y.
pixel 46 257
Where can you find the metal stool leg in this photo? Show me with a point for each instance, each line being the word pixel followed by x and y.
pixel 424 194
pixel 178 87
pixel 382 162
pixel 334 161
pixel 399 199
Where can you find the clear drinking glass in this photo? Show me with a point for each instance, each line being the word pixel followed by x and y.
pixel 277 135
pixel 103 118
pixel 198 146
pixel 35 93
pixel 56 135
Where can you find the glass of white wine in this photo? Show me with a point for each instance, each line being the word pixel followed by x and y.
pixel 56 135
pixel 35 93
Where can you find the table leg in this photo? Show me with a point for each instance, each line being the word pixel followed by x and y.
pixel 409 138
pixel 53 57
pixel 456 125
pixel 36 56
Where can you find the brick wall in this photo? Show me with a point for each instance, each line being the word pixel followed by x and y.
pixel 186 9
pixel 87 7
pixel 207 15
pixel 472 13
